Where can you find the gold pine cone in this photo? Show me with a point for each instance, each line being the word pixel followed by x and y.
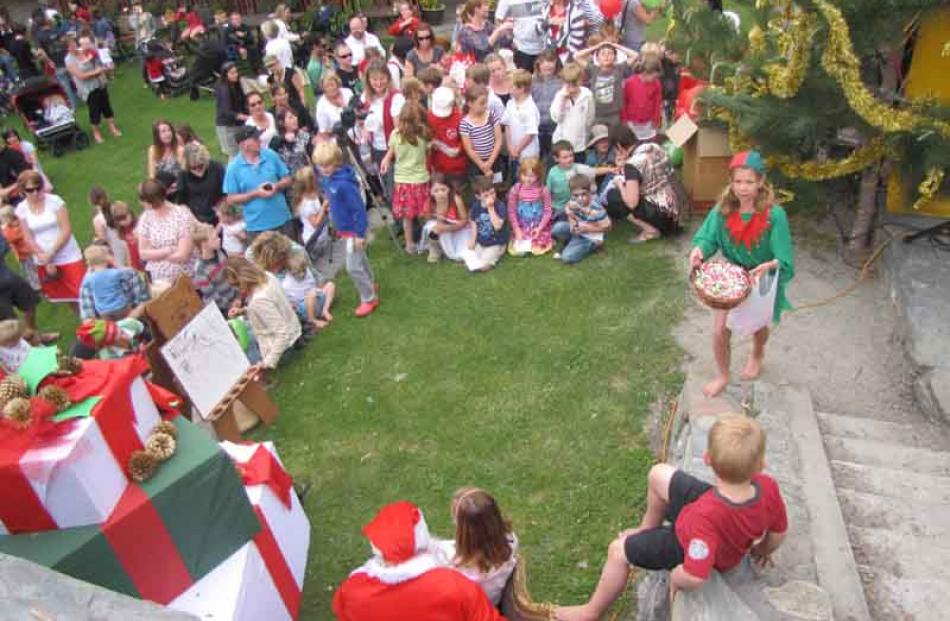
pixel 167 427
pixel 55 395
pixel 161 446
pixel 19 411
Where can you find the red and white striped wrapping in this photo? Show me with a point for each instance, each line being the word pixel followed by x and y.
pixel 264 578
pixel 75 477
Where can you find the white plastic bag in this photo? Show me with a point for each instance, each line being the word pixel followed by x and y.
pixel 756 311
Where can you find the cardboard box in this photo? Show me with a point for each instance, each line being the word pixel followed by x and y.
pixel 706 156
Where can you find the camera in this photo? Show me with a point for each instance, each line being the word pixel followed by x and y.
pixel 352 113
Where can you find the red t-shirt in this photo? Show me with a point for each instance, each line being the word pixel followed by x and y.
pixel 715 533
pixel 642 101
pixel 446 131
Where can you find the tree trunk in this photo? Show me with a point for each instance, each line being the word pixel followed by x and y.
pixel 862 230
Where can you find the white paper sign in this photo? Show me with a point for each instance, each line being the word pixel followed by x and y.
pixel 206 359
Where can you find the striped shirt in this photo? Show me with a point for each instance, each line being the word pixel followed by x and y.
pixel 482 136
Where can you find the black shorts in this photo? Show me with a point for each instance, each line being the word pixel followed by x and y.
pixel 658 548
pixel 15 293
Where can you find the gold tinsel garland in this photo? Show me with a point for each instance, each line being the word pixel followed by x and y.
pixel 839 61
pixel 794 43
pixel 929 187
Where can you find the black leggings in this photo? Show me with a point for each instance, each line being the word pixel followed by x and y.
pixel 99 106
pixel 645 210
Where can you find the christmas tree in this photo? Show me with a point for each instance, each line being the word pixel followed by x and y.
pixel 816 85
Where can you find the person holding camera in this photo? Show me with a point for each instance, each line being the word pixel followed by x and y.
pixel 256 178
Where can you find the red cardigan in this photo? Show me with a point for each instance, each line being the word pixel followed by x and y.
pixel 397 29
pixel 642 101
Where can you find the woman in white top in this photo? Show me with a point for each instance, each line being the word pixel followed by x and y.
pixel 485 549
pixel 335 98
pixel 276 45
pixel 261 118
pixel 282 17
pixel 49 233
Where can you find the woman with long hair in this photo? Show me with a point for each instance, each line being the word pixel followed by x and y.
pixel 230 108
pixel 260 118
pixel 165 158
pixel 478 36
pixel 424 52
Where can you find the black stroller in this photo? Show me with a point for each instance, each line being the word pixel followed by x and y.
pixel 44 107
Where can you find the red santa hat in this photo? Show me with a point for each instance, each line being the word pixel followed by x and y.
pixel 398 532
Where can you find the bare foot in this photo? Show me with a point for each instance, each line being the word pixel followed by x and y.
pixel 115 131
pixel 753 367
pixel 716 386
pixel 573 613
pixel 410 250
pixel 97 137
pixel 326 315
pixel 319 324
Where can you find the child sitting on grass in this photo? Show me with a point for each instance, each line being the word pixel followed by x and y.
pixel 587 223
pixel 310 300
pixel 560 174
pixel 485 549
pixel 107 291
pixel 209 267
pixel 710 526
pixel 489 236
pixel 529 211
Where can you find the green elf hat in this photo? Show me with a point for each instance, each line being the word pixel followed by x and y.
pixel 97 333
pixel 748 159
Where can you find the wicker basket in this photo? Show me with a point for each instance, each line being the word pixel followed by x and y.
pixel 720 303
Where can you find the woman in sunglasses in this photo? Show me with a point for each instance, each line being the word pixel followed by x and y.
pixel 424 51
pixel 49 233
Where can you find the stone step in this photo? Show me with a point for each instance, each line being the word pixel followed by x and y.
pixel 904 599
pixel 900 556
pixel 919 435
pixel 897 484
pixel 910 519
pixel 888 455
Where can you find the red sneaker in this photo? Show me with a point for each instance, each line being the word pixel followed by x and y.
pixel 366 308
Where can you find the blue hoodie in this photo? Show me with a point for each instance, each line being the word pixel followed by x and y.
pixel 347 209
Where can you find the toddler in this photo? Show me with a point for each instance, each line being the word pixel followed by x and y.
pixel 14 349
pixel 10 224
pixel 310 300
pixel 408 146
pixel 485 549
pixel 56 112
pixel 529 211
pixel 233 230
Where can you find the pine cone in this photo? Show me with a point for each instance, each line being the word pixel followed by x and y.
pixel 142 466
pixel 161 446
pixel 56 396
pixel 11 387
pixel 68 365
pixel 167 427
pixel 19 411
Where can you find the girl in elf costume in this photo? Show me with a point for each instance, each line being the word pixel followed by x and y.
pixel 749 230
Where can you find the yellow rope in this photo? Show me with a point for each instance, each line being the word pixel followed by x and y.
pixel 850 288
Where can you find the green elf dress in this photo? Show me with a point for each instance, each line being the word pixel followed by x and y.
pixel 750 240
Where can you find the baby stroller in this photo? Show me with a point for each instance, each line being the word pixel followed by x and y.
pixel 173 68
pixel 44 107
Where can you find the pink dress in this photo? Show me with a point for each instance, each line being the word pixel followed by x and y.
pixel 529 209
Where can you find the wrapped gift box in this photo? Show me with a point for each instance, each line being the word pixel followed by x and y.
pixel 76 475
pixel 164 534
pixel 264 579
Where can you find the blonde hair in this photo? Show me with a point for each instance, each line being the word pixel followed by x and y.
pixel 271 250
pixel 305 184
pixel 97 255
pixel 11 330
pixel 202 232
pixel 28 177
pixel 242 274
pixel 729 202
pixel 412 88
pixel 571 73
pixel 297 265
pixel 331 77
pixel 327 154
pixel 119 209
pixel 522 79
pixel 532 164
pixel 196 154
pixel 7 214
pixel 270 29
pixel 736 447
pixel 412 124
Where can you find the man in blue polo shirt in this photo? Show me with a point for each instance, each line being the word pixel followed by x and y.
pixel 256 178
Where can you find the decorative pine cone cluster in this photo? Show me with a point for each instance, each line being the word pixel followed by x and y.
pixel 56 396
pixel 159 446
pixel 15 401
pixel 12 387
pixel 19 411
pixel 67 365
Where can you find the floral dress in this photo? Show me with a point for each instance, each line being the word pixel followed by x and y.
pixel 529 208
pixel 165 231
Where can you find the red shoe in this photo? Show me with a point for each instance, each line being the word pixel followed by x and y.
pixel 366 308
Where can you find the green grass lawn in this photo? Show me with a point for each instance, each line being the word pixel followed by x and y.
pixel 531 381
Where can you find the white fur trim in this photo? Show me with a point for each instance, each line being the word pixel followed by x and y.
pixel 394 574
pixel 420 535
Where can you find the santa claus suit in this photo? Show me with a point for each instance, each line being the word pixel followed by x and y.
pixel 405 581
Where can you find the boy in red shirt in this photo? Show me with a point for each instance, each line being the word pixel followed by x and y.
pixel 447 156
pixel 710 526
pixel 643 99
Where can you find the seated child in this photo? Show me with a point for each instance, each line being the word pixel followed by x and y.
pixel 110 339
pixel 587 222
pixel 108 291
pixel 209 266
pixel 529 211
pixel 485 549
pixel 489 237
pixel 10 225
pixel 564 168
pixel 310 300
pixel 710 526
pixel 56 112
pixel 600 155
pixel 13 347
